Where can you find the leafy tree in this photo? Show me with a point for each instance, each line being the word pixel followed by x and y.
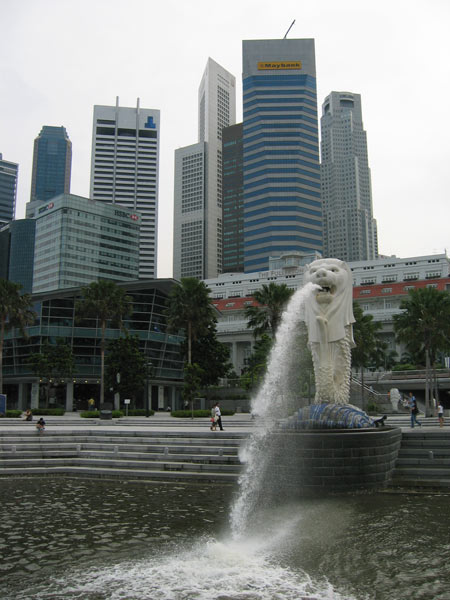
pixel 189 308
pixel 15 311
pixel 424 327
pixel 212 357
pixel 305 370
pixel 108 303
pixel 368 345
pixel 257 362
pixel 272 300
pixel 193 375
pixel 125 357
pixel 55 362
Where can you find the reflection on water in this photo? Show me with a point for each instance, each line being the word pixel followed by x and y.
pixel 107 540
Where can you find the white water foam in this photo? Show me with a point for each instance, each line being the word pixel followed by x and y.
pixel 209 570
pixel 269 405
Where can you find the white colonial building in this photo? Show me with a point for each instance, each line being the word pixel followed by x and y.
pixel 379 286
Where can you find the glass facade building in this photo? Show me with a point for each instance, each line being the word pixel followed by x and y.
pixel 79 240
pixel 56 320
pixel 21 253
pixel 52 164
pixel 282 198
pixel 232 200
pixel 8 190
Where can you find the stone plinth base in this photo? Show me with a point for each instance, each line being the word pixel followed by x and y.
pixel 319 462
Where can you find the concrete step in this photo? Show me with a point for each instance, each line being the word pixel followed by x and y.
pixel 203 455
pixel 117 462
pixel 217 458
pixel 134 436
pixel 422 470
pixel 125 422
pixel 44 446
pixel 423 462
pixel 142 474
pixel 423 483
pixel 113 439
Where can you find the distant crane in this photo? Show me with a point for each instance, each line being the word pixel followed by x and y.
pixel 289 29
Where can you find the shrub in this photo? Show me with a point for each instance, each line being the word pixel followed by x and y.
pixel 95 414
pixel 56 412
pixel 90 414
pixel 139 412
pixel 11 414
pixel 187 414
pixel 372 407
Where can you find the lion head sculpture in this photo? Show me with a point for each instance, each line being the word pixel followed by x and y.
pixel 329 311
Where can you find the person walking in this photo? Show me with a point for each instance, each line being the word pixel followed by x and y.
pixel 213 419
pixel 441 414
pixel 414 410
pixel 218 415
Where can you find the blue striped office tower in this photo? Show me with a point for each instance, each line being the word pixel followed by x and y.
pixel 282 203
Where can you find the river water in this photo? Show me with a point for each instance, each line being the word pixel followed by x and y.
pixel 88 539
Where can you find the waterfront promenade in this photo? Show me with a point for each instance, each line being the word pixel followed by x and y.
pixel 164 448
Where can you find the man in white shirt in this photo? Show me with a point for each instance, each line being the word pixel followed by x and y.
pixel 219 416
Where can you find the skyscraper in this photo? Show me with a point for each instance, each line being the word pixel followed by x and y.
pixel 350 231
pixel 125 167
pixel 189 212
pixel 52 164
pixel 196 210
pixel 8 190
pixel 78 241
pixel 232 201
pixel 282 202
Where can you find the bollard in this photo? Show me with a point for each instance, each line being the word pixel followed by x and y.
pixel 430 454
pixel 78 447
pixel 116 449
pixel 166 451
pixel 13 449
pixel 220 451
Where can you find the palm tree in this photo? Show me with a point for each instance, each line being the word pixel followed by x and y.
pixel 272 300
pixel 368 345
pixel 189 307
pixel 15 311
pixel 106 302
pixel 424 326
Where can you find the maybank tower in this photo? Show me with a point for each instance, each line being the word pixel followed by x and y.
pixel 282 203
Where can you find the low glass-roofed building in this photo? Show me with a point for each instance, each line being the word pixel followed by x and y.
pixel 56 320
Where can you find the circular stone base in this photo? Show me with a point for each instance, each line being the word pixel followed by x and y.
pixel 302 463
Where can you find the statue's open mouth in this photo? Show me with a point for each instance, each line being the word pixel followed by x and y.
pixel 327 289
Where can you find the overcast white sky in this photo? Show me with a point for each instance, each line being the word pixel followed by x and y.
pixel 60 57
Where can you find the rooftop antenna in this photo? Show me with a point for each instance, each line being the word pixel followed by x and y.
pixel 285 35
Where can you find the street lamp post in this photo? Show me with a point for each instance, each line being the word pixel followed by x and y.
pixel 148 366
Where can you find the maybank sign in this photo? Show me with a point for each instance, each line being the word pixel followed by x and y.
pixel 279 66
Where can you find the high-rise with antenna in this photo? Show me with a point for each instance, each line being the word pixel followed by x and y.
pixel 124 169
pixel 282 200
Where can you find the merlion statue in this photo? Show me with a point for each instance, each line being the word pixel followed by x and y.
pixel 329 318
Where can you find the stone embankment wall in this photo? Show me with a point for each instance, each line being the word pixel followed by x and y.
pixel 327 461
